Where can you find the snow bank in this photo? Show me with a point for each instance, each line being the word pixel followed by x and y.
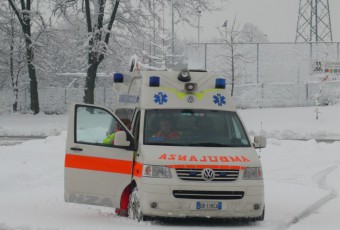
pixel 294 123
pixel 32 125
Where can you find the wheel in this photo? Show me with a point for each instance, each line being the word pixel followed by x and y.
pixel 134 210
pixel 261 218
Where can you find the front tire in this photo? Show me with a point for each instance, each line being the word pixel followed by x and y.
pixel 134 210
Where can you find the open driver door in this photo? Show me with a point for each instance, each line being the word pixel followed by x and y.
pixel 99 157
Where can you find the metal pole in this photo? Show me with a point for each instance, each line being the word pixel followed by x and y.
pixel 205 56
pixel 311 58
pixel 316 21
pixel 172 31
pixel 257 61
pixel 311 22
pixel 154 28
pixel 25 98
pixel 329 19
pixel 198 29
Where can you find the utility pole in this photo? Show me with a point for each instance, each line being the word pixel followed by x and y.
pixel 314 21
pixel 172 31
pixel 199 11
pixel 225 24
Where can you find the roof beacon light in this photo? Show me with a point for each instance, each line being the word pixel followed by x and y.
pixel 184 76
pixel 118 78
pixel 154 81
pixel 220 83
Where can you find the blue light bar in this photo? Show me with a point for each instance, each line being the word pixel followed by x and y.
pixel 118 78
pixel 154 81
pixel 220 83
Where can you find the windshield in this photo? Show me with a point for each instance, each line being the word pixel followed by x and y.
pixel 183 127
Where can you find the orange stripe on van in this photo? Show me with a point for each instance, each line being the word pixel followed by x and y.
pixel 98 164
pixel 232 167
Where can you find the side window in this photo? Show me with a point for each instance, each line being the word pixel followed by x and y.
pixel 235 128
pixel 94 126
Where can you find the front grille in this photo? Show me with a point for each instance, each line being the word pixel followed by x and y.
pixel 196 174
pixel 210 195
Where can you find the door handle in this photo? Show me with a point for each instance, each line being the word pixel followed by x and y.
pixel 76 149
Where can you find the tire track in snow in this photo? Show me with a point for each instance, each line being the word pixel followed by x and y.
pixel 321 180
pixel 15 140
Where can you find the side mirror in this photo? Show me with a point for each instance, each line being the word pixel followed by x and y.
pixel 260 142
pixel 120 139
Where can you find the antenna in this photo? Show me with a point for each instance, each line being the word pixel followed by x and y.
pixel 314 22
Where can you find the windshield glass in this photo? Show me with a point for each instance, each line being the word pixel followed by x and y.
pixel 183 127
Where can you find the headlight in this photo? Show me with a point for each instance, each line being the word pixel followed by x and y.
pixel 252 173
pixel 156 171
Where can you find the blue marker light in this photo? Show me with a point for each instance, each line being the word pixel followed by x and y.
pixel 154 81
pixel 220 83
pixel 118 78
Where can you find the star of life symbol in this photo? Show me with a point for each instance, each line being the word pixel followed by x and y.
pixel 208 174
pixel 160 98
pixel 219 99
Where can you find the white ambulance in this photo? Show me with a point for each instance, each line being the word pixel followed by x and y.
pixel 186 153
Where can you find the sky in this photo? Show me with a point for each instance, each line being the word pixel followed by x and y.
pixel 276 18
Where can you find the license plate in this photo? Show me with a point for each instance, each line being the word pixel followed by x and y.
pixel 208 205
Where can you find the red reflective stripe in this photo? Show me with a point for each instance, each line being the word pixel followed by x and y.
pixel 137 169
pixel 98 164
pixel 234 167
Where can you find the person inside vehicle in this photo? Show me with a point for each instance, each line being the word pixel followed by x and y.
pixel 109 140
pixel 166 130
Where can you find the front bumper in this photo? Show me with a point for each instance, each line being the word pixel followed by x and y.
pixel 159 201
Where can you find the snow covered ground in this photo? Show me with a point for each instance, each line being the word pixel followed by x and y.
pixel 301 177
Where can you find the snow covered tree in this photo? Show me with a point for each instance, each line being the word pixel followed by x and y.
pixel 133 24
pixel 234 37
pixel 12 52
pixel 251 33
pixel 166 49
pixel 100 17
pixel 26 17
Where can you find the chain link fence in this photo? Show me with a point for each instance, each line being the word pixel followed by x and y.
pixel 271 74
pixel 266 75
pixel 289 94
pixel 54 100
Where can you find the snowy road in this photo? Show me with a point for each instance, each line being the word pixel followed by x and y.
pixel 301 178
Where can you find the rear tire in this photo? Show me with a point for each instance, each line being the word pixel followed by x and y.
pixel 134 210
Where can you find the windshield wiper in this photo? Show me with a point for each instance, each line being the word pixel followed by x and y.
pixel 162 143
pixel 208 144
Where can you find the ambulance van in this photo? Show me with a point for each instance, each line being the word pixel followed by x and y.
pixel 186 152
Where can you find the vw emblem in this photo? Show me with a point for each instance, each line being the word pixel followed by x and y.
pixel 190 99
pixel 208 174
